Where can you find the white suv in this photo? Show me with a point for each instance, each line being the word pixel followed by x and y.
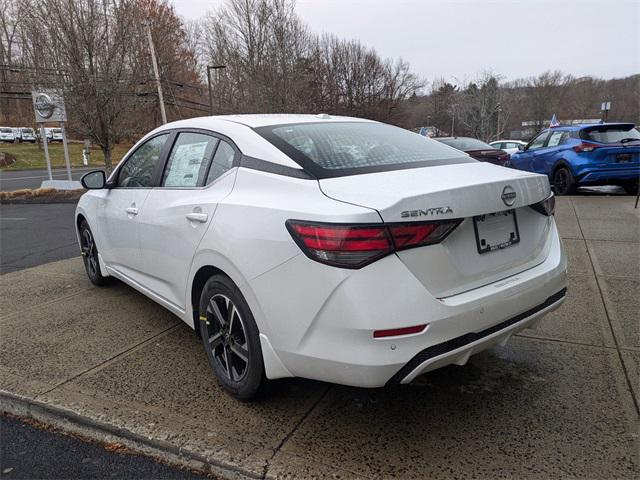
pixel 330 248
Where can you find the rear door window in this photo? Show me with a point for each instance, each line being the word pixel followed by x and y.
pixel 189 159
pixel 556 139
pixel 222 161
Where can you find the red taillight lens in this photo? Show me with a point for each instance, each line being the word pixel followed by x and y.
pixel 586 147
pixel 409 235
pixel 347 246
pixel 354 246
pixel 547 206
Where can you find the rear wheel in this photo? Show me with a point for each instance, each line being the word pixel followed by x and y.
pixel 563 182
pixel 89 252
pixel 230 338
pixel 631 188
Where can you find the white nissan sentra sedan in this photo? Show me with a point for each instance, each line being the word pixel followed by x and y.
pixel 330 248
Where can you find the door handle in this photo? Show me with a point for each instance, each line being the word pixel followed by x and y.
pixel 132 211
pixel 197 217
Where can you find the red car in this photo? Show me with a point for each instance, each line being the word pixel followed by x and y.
pixel 477 149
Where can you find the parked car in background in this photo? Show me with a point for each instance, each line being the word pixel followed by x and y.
pixel 509 146
pixel 477 149
pixel 53 134
pixel 582 155
pixel 332 248
pixel 7 134
pixel 28 134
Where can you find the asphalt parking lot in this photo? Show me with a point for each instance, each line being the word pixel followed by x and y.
pixel 560 400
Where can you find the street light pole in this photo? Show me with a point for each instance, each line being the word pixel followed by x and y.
pixel 209 68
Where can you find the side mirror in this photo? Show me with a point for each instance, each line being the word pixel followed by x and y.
pixel 521 147
pixel 94 180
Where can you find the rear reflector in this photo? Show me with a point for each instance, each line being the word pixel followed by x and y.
pixel 394 332
pixel 354 246
pixel 547 206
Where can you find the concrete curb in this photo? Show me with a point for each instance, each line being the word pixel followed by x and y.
pixel 101 432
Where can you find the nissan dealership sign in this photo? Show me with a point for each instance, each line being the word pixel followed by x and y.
pixel 48 106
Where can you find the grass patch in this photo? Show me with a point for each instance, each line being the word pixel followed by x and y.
pixel 30 155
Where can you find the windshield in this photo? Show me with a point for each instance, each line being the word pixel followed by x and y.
pixel 56 130
pixel 344 148
pixel 6 130
pixel 27 130
pixel 609 133
pixel 465 143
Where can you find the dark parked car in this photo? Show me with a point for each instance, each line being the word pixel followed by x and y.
pixel 477 149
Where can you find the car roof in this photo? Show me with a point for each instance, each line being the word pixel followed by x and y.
pixel 269 119
pixel 512 141
pixel 581 126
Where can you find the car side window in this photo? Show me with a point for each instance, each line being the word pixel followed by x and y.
pixel 222 161
pixel 511 145
pixel 538 142
pixel 555 139
pixel 189 159
pixel 137 171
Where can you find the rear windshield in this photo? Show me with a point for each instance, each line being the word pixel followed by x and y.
pixel 465 143
pixel 610 133
pixel 347 148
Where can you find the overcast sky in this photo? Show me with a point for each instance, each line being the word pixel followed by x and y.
pixel 459 39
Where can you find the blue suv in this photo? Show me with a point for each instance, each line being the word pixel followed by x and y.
pixel 581 155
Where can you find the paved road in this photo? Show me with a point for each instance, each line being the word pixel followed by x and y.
pixel 15 180
pixel 28 452
pixel 35 234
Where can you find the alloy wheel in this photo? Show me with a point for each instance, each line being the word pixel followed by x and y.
pixel 89 252
pixel 227 337
pixel 561 181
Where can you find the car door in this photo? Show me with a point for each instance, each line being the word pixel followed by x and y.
pixel 118 213
pixel 525 160
pixel 198 174
pixel 545 157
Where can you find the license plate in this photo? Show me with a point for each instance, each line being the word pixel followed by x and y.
pixel 623 158
pixel 496 231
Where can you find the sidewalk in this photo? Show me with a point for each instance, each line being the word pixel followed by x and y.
pixel 556 401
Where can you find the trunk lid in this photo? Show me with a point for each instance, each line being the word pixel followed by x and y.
pixel 459 191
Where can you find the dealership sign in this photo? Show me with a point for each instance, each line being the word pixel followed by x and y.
pixel 48 106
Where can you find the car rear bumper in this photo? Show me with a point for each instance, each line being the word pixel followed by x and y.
pixel 327 332
pixel 612 175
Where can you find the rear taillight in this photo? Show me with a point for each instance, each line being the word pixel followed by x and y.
pixel 546 207
pixel 585 147
pixel 354 246
pixel 504 158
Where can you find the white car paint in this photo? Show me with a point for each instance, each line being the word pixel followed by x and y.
pixel 509 146
pixel 7 134
pixel 316 320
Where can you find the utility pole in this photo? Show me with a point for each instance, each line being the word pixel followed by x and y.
pixel 155 71
pixel 453 117
pixel 209 68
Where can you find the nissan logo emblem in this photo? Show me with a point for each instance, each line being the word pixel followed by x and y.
pixel 508 195
pixel 44 105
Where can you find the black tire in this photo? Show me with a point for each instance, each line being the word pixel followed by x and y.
pixel 563 182
pixel 631 188
pixel 89 252
pixel 230 338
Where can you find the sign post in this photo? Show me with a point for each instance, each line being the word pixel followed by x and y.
pixel 48 105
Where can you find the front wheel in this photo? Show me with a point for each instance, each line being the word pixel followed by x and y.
pixel 230 338
pixel 563 182
pixel 89 252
